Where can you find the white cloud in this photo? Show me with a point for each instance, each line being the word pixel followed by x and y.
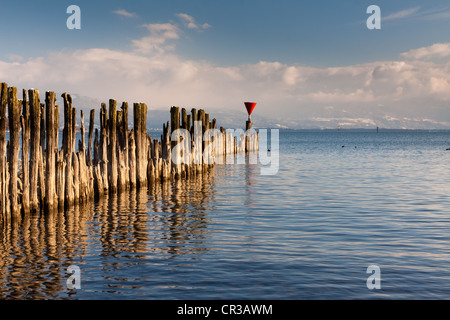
pixel 189 21
pixel 125 13
pixel 437 50
pixel 205 26
pixel 401 14
pixel 291 75
pixel 160 34
pixel 15 57
pixel 436 13
pixel 157 76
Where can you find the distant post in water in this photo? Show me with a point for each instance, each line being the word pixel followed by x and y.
pixel 250 106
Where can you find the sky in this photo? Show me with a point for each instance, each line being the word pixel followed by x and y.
pixel 306 63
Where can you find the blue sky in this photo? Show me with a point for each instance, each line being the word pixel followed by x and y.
pixel 311 60
pixel 319 33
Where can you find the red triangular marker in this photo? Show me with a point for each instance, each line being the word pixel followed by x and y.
pixel 250 107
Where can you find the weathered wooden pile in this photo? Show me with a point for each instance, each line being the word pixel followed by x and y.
pixel 35 174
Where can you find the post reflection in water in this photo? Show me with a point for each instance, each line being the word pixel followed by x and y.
pixel 100 237
pixel 251 171
pixel 36 250
pixel 180 213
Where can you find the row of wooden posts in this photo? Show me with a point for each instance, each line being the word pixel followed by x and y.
pixel 115 157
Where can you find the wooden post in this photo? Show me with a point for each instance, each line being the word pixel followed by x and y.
pixel 25 123
pixel 3 182
pixel 60 164
pixel 82 146
pixel 248 126
pixel 175 125
pixel 35 129
pixel 194 118
pixel 197 144
pixel 124 146
pixel 97 175
pixel 206 124
pixel 50 177
pixel 104 146
pixel 81 155
pixel 56 126
pixel 68 150
pixel 201 117
pixel 96 157
pixel 132 158
pixel 206 144
pixel 124 131
pixel 174 119
pixel 91 132
pixel 60 173
pixel 201 143
pixel 150 164
pixel 185 152
pixel 119 127
pixel 184 117
pixel 76 178
pixel 140 132
pixel 224 144
pixel 41 169
pixel 144 146
pixel 166 165
pixel 188 122
pixel 14 123
pixel 67 137
pixel 119 152
pixel 112 150
pixel 74 128
pixel 164 143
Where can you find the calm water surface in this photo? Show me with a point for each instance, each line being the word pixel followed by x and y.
pixel 309 232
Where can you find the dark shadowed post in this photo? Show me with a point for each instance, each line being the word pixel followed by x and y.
pixel 175 125
pixel 184 122
pixel 41 170
pixel 60 164
pixel 124 130
pixel 112 148
pixel 91 133
pixel 104 146
pixel 3 183
pixel 25 123
pixel 14 144
pixel 200 142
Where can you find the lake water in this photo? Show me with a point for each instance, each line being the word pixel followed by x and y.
pixel 308 232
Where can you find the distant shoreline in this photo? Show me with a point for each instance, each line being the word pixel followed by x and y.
pixel 364 130
pixel 327 130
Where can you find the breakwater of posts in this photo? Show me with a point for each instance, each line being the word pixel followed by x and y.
pixel 35 174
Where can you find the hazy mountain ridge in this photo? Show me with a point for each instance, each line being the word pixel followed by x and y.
pixel 237 119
